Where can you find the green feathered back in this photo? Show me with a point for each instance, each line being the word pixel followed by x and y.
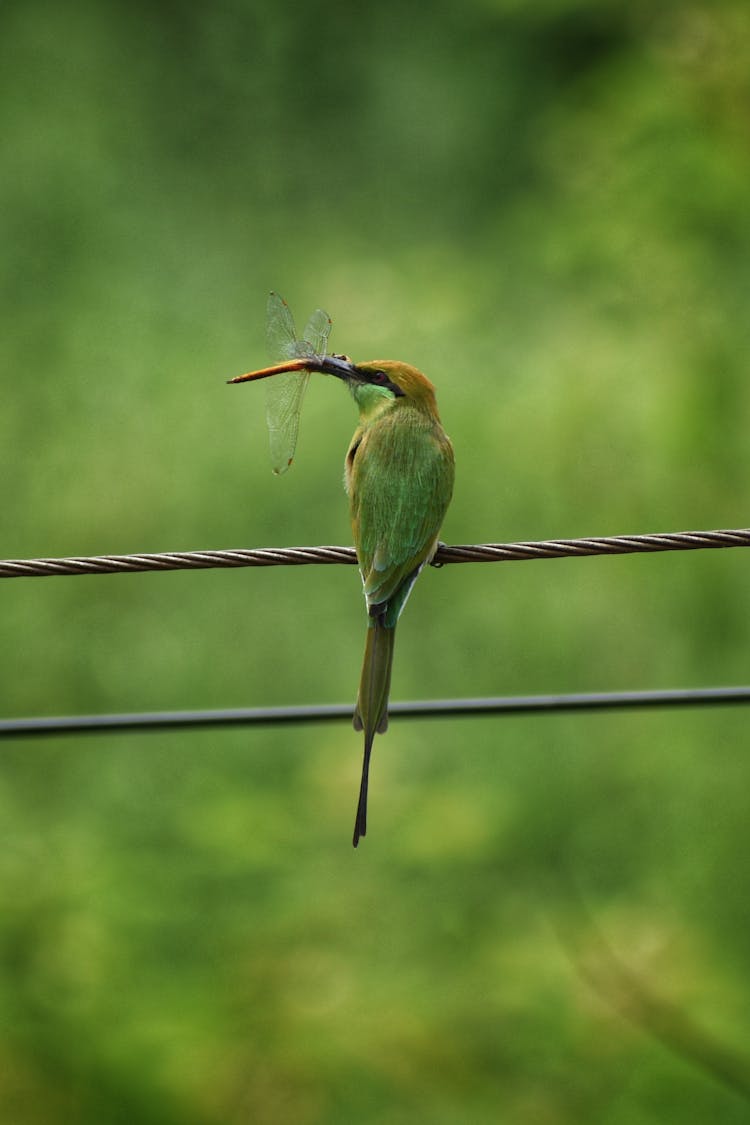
pixel 400 473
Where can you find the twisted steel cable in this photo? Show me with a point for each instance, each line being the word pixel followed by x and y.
pixel 306 556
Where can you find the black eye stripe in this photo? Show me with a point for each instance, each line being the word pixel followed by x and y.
pixel 380 379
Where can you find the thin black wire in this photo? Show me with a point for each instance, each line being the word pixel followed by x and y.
pixel 422 709
pixel 305 556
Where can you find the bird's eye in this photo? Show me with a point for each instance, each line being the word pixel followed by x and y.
pixel 379 377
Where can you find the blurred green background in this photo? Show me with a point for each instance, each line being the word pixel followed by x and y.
pixel 545 207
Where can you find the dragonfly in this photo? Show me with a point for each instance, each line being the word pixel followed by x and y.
pixel 285 392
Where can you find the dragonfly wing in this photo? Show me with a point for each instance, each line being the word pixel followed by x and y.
pixel 281 335
pixel 285 392
pixel 316 334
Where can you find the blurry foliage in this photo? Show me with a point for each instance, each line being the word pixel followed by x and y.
pixel 545 207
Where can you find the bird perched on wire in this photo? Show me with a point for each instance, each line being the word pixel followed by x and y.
pixel 399 474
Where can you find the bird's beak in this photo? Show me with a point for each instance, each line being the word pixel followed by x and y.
pixel 276 369
pixel 339 365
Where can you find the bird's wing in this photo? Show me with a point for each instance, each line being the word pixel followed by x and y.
pixel 401 485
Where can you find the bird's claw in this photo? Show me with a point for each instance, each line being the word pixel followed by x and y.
pixel 435 561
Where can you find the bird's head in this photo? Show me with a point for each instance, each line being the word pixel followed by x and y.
pixel 401 379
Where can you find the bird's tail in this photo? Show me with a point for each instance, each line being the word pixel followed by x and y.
pixel 371 712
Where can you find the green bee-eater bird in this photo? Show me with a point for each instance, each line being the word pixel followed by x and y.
pixel 399 477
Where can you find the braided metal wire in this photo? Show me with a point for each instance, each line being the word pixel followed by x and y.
pixel 306 556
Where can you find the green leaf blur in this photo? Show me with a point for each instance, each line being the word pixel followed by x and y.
pixel 545 208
